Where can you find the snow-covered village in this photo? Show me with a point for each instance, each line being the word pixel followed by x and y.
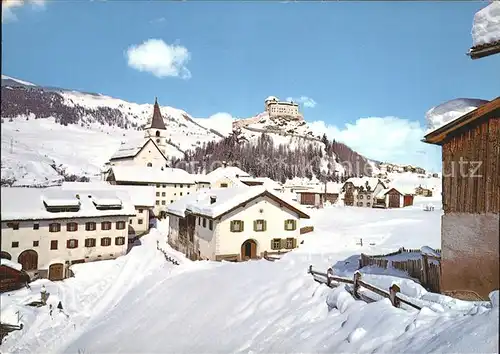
pixel 270 226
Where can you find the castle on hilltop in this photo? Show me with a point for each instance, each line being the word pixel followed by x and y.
pixel 277 108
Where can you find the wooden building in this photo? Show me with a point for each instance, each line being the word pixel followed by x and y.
pixel 471 201
pixel 392 198
pixel 12 277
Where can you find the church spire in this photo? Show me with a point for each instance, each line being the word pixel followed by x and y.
pixel 157 121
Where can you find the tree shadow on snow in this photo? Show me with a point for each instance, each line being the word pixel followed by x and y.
pixel 133 243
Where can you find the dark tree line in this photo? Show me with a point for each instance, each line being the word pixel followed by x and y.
pixel 276 161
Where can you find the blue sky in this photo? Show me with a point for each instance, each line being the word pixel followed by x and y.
pixel 355 60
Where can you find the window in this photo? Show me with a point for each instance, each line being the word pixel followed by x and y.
pixel 72 243
pixel 15 244
pixel 90 242
pixel 237 225
pixel 290 243
pixel 171 201
pixel 163 194
pixel 180 194
pixel 120 225
pixel 150 164
pixel 204 222
pixel 189 186
pixel 157 186
pixel 361 196
pixel 119 241
pixel 368 197
pixel 223 185
pixel 130 221
pixel 106 225
pixel 90 226
pixel 259 225
pixel 368 204
pixel 53 244
pixel 187 192
pixel 360 204
pixel 71 226
pixel 211 224
pixel 157 141
pixel 140 211
pixel 13 225
pixel 36 226
pixel 290 225
pixel 140 221
pixel 157 194
pixel 157 202
pixel 182 186
pixel 106 241
pixel 157 133
pixel 199 220
pixel 164 186
pixel 276 244
pixel 36 243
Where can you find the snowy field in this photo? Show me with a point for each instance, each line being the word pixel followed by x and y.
pixel 141 303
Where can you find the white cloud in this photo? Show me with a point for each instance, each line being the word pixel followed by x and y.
pixel 8 6
pixel 159 58
pixel 221 122
pixel 388 139
pixel 304 100
pixel 158 20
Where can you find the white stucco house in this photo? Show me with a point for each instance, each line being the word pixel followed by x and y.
pixel 361 191
pixel 234 224
pixel 142 197
pixel 48 229
pixel 226 177
pixel 170 184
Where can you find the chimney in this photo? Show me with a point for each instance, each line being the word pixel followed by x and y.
pixel 213 199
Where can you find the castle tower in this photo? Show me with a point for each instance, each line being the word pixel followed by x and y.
pixel 157 131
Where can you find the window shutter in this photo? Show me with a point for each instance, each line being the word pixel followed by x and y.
pixel 255 225
pixel 67 244
pixel 294 243
pixel 76 243
pixel 232 226
pixel 295 224
pixel 264 226
pixel 272 244
pixel 285 225
pixel 242 226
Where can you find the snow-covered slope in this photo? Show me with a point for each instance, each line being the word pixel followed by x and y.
pixel 140 304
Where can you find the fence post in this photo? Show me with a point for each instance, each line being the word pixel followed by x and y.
pixel 425 270
pixel 329 274
pixel 393 290
pixel 355 289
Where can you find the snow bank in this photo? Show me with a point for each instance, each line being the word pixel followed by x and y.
pixel 444 113
pixel 486 27
pixel 10 264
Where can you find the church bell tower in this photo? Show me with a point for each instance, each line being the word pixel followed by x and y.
pixel 157 131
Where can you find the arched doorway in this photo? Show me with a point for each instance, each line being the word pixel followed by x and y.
pixel 248 250
pixel 29 260
pixel 56 271
pixel 5 255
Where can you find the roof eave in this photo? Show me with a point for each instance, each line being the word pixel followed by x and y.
pixel 484 51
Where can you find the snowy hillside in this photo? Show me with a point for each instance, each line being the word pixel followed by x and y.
pixel 141 303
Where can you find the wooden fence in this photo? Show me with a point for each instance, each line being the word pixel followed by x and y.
pixel 427 268
pixel 167 257
pixel 332 281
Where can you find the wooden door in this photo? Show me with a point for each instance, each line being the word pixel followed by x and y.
pixel 248 250
pixel 394 200
pixel 29 260
pixel 408 200
pixel 56 271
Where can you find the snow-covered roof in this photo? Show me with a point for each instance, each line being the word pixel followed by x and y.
pixel 225 200
pixel 272 98
pixel 486 26
pixel 144 174
pixel 449 111
pixel 331 188
pixel 361 181
pixel 139 195
pixel 11 264
pixel 19 203
pixel 228 172
pixel 265 181
pixel 129 149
